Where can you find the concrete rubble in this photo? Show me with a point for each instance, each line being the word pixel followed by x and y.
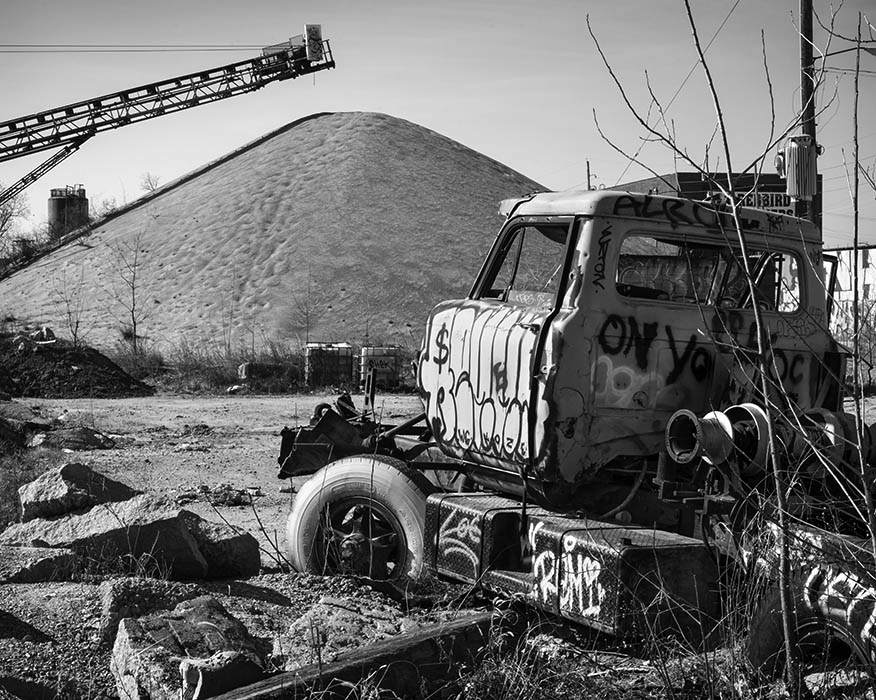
pixel 148 532
pixel 73 439
pixel 34 564
pixel 169 639
pixel 69 488
pixel 20 426
pixel 148 651
pixel 138 595
pixel 332 627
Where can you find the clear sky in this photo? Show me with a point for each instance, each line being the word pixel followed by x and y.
pixel 517 81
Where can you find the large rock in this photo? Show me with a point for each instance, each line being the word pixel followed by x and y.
pixel 159 535
pixel 23 418
pixel 134 596
pixel 229 552
pixel 75 439
pixel 70 487
pixel 34 564
pixel 147 652
pixel 149 529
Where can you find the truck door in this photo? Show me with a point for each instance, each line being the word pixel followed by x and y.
pixel 480 365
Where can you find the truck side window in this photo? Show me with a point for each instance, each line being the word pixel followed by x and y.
pixel 680 271
pixel 777 280
pixel 529 268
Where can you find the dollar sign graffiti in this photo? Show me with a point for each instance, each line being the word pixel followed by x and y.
pixel 443 351
pixel 500 377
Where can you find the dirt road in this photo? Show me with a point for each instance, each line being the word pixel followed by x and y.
pixel 183 446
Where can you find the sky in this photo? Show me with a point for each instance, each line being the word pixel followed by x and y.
pixel 521 82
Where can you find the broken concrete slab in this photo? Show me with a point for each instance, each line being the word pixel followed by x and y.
pixel 430 657
pixel 159 535
pixel 230 552
pixel 135 596
pixel 69 488
pixel 23 418
pixel 35 564
pixel 144 527
pixel 342 624
pixel 73 439
pixel 147 652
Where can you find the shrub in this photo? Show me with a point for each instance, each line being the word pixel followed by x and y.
pixel 199 368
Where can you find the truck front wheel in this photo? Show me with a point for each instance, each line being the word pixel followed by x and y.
pixel 362 515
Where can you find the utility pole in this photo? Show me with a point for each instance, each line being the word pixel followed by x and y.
pixel 810 195
pixel 797 161
pixel 589 177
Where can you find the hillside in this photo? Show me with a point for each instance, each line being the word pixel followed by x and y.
pixel 337 227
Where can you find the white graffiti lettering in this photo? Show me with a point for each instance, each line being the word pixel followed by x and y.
pixel 574 579
pixel 461 537
pixel 475 374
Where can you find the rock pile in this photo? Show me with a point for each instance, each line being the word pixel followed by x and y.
pixel 73 513
pixel 75 509
pixel 160 638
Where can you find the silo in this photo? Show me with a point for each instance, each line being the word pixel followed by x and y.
pixel 68 209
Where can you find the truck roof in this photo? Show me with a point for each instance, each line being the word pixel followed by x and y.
pixel 657 208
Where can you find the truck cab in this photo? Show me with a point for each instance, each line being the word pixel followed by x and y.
pixel 597 315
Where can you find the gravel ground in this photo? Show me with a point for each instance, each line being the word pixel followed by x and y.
pixel 173 446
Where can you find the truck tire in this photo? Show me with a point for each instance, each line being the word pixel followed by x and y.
pixel 363 515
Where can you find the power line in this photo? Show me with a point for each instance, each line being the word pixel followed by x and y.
pixel 850 71
pixel 122 48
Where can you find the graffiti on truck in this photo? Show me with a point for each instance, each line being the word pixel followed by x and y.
pixel 573 579
pixel 644 364
pixel 460 538
pixel 620 335
pixel 786 367
pixel 476 363
pixel 847 600
pixel 641 362
pixel 683 212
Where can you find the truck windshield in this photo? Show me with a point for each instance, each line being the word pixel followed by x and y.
pixel 528 267
pixel 694 272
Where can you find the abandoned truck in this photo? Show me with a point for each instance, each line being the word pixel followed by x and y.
pixel 595 434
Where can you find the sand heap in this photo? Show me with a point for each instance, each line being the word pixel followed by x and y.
pixel 341 227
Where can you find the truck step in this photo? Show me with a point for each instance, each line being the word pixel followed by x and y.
pixel 505 582
pixel 613 577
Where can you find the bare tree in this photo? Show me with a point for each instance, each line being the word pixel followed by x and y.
pixel 308 306
pixel 104 207
pixel 70 303
pixel 12 212
pixel 149 182
pixel 129 291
